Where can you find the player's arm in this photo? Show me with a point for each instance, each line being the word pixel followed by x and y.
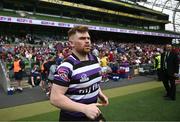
pixel 58 99
pixel 103 98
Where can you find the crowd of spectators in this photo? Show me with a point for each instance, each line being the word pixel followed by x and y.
pixel 34 55
pixel 28 39
pixel 132 53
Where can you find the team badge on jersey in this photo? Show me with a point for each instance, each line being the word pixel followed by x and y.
pixel 84 78
pixel 63 74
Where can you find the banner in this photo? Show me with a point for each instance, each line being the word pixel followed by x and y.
pixel 91 27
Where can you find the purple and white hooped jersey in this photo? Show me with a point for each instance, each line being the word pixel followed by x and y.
pixel 81 77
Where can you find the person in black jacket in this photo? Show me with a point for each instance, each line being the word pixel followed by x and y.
pixel 170 69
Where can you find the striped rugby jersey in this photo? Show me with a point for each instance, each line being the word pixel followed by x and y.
pixel 82 79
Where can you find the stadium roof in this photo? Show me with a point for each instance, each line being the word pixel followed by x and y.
pixel 171 7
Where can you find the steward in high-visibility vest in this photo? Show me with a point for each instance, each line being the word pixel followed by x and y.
pixel 18 66
pixel 157 65
pixel 157 62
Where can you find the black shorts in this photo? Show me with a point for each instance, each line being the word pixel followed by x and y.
pixel 65 117
pixel 18 75
pixel 43 76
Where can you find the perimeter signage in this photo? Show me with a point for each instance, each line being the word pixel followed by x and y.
pixel 91 27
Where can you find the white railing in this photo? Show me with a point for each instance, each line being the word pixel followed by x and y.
pixel 4 78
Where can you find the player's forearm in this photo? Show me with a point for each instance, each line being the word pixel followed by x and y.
pixel 103 98
pixel 101 93
pixel 63 102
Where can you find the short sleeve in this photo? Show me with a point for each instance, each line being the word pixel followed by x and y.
pixel 63 74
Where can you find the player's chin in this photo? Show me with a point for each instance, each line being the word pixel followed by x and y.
pixel 87 50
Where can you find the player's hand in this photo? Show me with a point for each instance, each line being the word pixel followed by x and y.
pixel 92 111
pixel 103 100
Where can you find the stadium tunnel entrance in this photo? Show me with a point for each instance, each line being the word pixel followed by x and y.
pixel 61 34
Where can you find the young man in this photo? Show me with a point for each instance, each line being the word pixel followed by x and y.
pixel 75 89
pixel 18 67
pixel 170 69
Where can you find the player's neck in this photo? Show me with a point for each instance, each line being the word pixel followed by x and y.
pixel 81 56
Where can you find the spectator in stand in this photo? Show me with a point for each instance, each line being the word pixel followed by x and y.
pixel 111 56
pixel 43 76
pixel 52 71
pixel 104 67
pixel 59 58
pixel 95 51
pixel 35 77
pixel 47 67
pixel 66 52
pixel 76 85
pixel 59 47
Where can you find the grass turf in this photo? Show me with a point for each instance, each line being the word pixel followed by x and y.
pixel 33 109
pixel 146 105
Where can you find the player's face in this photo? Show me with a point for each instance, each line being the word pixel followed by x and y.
pixel 81 43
